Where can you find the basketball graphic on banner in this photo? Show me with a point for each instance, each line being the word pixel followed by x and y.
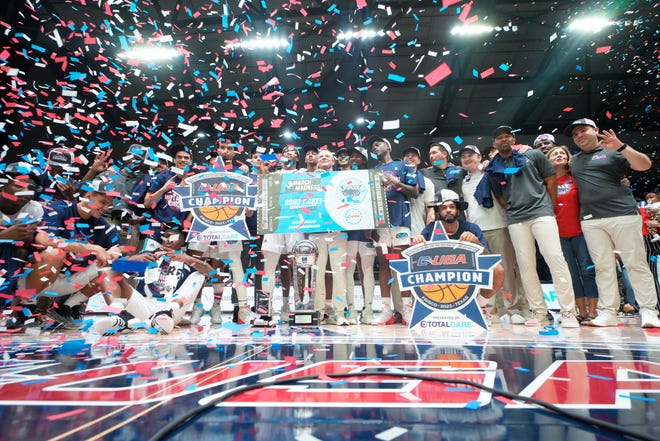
pixel 219 214
pixel 444 293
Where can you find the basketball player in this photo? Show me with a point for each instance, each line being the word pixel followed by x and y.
pixel 359 248
pixel 168 289
pixel 331 246
pixel 275 248
pixel 447 210
pixel 400 186
pixel 162 200
pixel 225 253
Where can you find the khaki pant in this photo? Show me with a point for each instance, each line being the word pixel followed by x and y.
pixel 624 234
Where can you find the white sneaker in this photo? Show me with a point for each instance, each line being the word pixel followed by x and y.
pixel 538 319
pixel 246 316
pixel 605 318
pixel 568 320
pixel 384 317
pixel 163 322
pixel 406 314
pixel 196 314
pixel 649 318
pixel 341 321
pixel 367 316
pixel 352 316
pixel 216 312
pixel 517 319
pixel 107 326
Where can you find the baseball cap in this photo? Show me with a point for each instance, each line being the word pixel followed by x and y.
pixel 447 195
pixel 471 148
pixel 442 144
pixel 59 157
pixel 373 138
pixel 178 148
pixel 21 169
pixel 360 150
pixel 138 151
pixel 99 186
pixel 503 129
pixel 412 149
pixel 309 146
pixel 544 137
pixel 568 131
pixel 290 147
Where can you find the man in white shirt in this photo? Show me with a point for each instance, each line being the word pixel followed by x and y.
pixel 421 208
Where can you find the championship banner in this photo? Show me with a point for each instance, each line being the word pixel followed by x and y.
pixel 444 276
pixel 305 202
pixel 218 201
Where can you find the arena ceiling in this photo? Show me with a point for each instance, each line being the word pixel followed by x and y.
pixel 64 80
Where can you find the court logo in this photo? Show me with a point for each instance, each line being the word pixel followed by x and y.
pixel 445 276
pixel 218 201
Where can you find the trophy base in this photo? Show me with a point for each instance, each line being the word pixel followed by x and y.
pixel 304 318
pixel 264 321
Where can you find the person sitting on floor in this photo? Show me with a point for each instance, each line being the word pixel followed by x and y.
pixel 171 283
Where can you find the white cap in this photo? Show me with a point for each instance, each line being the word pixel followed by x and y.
pixel 544 137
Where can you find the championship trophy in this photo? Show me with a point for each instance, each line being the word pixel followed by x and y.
pixel 305 255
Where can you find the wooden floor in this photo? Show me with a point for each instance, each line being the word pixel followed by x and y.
pixel 78 385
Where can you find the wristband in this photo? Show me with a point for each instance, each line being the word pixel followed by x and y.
pixel 622 148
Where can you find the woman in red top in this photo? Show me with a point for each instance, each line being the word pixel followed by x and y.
pixel 573 245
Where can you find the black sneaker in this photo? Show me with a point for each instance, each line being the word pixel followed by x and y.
pixel 63 316
pixel 77 311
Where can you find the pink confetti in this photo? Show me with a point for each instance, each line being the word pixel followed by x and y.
pixel 438 74
pixel 488 72
pixel 465 10
pixel 567 109
pixel 603 49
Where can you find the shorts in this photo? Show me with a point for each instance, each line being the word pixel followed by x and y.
pixel 215 249
pixel 281 243
pixel 187 293
pixel 393 237
pixel 68 284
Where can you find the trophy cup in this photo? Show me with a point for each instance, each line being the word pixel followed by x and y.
pixel 305 255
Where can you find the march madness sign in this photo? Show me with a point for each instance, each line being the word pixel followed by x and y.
pixel 445 276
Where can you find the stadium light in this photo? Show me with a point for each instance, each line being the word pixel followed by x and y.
pixel 147 54
pixel 260 43
pixel 470 30
pixel 589 24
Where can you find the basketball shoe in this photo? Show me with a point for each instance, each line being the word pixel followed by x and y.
pixel 245 315
pixel 116 324
pixel 385 316
pixel 538 319
pixel 196 314
pixel 162 321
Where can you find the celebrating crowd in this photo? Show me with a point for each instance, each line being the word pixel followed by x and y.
pixel 119 230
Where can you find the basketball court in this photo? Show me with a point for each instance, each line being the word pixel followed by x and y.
pixel 359 382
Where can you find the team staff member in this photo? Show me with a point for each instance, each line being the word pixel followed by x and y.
pixel 610 220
